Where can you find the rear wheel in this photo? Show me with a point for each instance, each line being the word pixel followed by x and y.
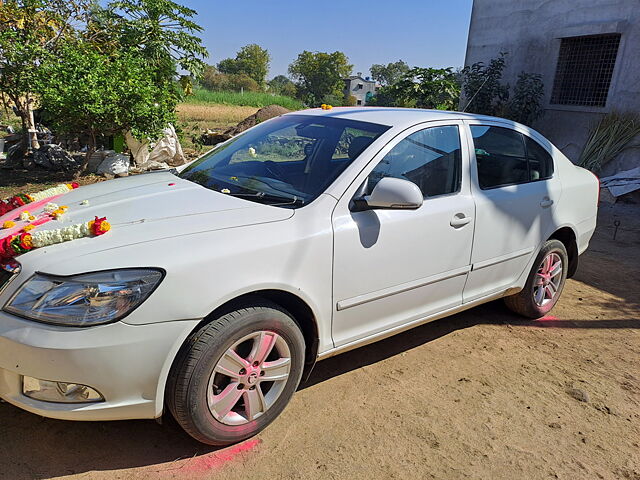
pixel 236 374
pixel 545 283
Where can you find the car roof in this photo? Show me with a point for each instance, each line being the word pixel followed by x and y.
pixel 396 117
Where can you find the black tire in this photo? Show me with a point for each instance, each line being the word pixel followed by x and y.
pixel 523 303
pixel 188 383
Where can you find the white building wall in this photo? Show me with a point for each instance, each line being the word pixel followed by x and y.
pixel 530 31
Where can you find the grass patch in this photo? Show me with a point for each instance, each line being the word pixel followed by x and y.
pixel 213 114
pixel 247 99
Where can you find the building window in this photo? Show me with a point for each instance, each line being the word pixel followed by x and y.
pixel 360 86
pixel 585 67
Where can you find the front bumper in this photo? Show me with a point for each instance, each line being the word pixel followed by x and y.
pixel 127 364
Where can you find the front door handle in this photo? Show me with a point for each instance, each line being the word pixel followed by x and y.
pixel 546 202
pixel 459 220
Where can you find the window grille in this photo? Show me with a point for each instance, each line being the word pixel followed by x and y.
pixel 584 71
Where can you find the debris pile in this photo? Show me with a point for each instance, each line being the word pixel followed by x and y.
pixel 53 157
pixel 211 137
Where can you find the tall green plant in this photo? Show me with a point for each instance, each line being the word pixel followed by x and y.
pixel 610 137
pixel 525 105
pixel 482 87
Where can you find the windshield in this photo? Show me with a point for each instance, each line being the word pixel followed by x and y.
pixel 287 161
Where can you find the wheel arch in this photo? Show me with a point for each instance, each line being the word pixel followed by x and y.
pixel 299 309
pixel 567 236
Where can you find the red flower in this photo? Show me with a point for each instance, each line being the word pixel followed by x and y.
pixel 25 241
pixel 6 251
pixel 99 226
pixel 75 184
pixel 5 207
pixel 17 201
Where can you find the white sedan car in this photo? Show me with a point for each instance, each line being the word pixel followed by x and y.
pixel 218 287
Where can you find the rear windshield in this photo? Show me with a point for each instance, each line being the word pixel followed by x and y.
pixel 287 161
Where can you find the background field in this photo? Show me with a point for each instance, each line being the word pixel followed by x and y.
pixel 246 99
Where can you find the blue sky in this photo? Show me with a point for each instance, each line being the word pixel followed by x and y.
pixel 427 33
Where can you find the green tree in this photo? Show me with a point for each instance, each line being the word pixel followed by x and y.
pixel 86 91
pixel 282 85
pixel 30 32
pixel 390 73
pixel 252 60
pixel 320 75
pixel 482 87
pixel 161 30
pixel 425 88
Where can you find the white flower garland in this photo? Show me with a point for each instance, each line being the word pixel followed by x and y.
pixel 50 192
pixel 51 237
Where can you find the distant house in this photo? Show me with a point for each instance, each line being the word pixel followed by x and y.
pixel 587 52
pixel 361 88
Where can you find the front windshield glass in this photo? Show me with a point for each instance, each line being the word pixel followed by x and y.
pixel 287 161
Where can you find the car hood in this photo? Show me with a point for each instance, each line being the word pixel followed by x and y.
pixel 149 207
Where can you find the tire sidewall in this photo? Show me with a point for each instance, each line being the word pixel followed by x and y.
pixel 201 418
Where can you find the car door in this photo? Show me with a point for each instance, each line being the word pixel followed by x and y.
pixel 392 267
pixel 515 191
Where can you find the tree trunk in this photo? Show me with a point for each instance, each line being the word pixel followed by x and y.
pixel 32 135
pixel 91 148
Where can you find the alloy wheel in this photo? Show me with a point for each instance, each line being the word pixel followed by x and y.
pixel 248 378
pixel 547 280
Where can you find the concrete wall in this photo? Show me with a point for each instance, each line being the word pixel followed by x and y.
pixel 530 31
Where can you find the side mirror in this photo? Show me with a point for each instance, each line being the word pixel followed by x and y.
pixel 392 193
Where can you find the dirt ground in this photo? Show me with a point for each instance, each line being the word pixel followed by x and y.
pixel 480 395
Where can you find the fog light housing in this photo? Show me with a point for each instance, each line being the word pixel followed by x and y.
pixel 59 392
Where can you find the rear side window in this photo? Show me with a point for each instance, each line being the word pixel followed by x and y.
pixel 540 162
pixel 500 156
pixel 430 158
pixel 506 157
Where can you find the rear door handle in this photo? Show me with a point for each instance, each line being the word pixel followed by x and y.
pixel 459 220
pixel 546 202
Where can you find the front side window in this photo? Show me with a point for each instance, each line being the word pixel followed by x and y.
pixel 287 161
pixel 430 158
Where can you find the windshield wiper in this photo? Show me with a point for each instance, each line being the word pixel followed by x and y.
pixel 286 199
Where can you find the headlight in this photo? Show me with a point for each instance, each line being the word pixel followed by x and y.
pixel 83 300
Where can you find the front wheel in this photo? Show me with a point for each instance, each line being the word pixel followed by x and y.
pixel 545 283
pixel 236 374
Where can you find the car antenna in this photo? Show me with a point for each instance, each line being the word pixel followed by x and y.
pixel 474 95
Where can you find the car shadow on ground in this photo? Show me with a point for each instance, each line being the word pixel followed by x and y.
pixel 36 448
pixel 494 313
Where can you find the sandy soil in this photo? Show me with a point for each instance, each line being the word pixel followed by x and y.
pixel 481 395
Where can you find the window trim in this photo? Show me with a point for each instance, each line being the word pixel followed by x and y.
pixel 461 159
pixel 526 156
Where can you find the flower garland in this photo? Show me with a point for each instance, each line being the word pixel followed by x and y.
pixel 23 242
pixel 22 199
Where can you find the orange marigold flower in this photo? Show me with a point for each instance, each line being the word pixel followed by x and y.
pixel 99 226
pixel 28 228
pixel 8 224
pixel 26 241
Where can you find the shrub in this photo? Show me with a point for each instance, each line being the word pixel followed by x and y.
pixel 608 139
